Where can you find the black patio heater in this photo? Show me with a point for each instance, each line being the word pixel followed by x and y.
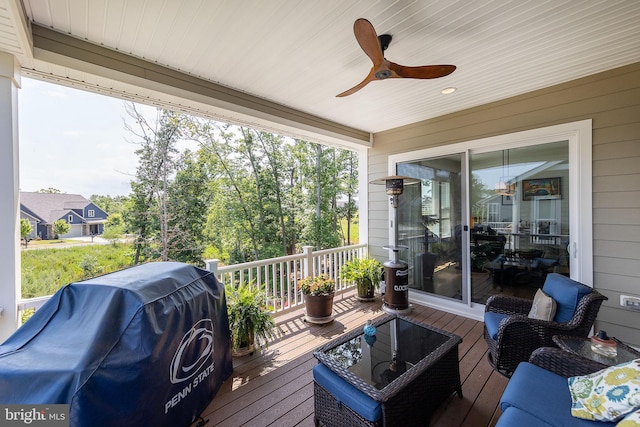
pixel 396 271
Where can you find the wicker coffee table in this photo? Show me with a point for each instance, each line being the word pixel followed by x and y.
pixel 410 368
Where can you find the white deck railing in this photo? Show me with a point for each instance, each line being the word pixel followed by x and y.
pixel 279 275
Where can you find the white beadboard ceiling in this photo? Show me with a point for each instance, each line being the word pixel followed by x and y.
pixel 302 53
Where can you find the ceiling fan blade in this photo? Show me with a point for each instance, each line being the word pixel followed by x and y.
pixel 370 77
pixel 423 72
pixel 368 40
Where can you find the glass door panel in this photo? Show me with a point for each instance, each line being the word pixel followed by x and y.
pixel 430 225
pixel 519 227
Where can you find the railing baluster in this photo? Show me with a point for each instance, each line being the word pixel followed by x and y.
pixel 289 268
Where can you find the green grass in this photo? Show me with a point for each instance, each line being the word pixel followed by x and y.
pixel 355 231
pixel 44 271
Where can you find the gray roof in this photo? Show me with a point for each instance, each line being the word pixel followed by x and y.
pixel 49 207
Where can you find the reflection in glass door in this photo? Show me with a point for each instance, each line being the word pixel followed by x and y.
pixel 430 225
pixel 517 230
pixel 519 226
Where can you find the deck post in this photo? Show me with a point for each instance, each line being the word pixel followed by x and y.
pixel 9 196
pixel 212 266
pixel 307 262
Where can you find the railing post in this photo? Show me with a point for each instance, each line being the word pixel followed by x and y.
pixel 307 262
pixel 212 266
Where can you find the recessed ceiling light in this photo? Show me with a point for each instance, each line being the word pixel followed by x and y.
pixel 448 90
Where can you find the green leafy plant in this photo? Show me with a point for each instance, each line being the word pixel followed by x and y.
pixel 365 272
pixel 321 284
pixel 249 318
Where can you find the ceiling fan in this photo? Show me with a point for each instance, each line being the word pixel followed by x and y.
pixel 374 46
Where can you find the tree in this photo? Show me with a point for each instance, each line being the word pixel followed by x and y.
pixel 114 228
pixel 349 182
pixel 155 168
pixel 235 209
pixel 49 190
pixel 244 194
pixel 25 230
pixel 187 206
pixel 60 227
pixel 168 208
pixel 318 174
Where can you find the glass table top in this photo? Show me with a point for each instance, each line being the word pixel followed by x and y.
pixel 582 347
pixel 397 346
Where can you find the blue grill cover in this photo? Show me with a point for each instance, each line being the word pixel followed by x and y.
pixel 149 345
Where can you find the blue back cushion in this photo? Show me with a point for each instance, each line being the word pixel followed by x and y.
pixel 566 293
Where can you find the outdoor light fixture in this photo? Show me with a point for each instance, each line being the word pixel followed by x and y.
pixel 504 186
pixel 394 186
pixel 448 90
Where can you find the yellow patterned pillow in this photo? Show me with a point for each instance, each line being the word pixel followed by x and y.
pixel 631 420
pixel 606 395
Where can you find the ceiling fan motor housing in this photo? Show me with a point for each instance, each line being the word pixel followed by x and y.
pixel 384 40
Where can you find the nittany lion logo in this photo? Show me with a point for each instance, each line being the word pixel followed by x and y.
pixel 193 352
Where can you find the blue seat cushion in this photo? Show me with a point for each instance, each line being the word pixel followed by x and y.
pixel 347 394
pixel 542 394
pixel 566 293
pixel 492 322
pixel 514 417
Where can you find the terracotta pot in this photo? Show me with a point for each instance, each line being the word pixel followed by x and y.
pixel 319 308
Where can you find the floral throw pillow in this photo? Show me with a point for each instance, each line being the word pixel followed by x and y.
pixel 606 395
pixel 631 420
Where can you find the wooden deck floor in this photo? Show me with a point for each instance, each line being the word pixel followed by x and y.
pixel 274 387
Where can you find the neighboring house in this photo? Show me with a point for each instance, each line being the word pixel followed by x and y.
pixel 43 209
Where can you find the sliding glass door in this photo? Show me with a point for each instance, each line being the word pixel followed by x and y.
pixel 519 224
pixel 430 225
pixel 496 216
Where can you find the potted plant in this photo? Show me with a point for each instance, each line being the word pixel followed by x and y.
pixel 366 273
pixel 318 294
pixel 250 320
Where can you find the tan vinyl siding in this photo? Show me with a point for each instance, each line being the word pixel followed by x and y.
pixel 612 100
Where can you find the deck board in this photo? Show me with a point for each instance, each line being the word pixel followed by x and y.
pixel 273 387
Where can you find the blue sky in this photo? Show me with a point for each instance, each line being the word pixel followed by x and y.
pixel 73 140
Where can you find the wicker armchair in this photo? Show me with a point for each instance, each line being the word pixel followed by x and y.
pixel 518 335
